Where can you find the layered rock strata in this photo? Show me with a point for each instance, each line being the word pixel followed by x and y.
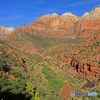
pixel 67 25
pixel 81 67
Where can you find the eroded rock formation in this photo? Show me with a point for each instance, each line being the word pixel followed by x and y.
pixel 88 23
pixel 5 32
pixel 81 67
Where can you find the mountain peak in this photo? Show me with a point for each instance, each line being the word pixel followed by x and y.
pixel 45 16
pixel 55 14
pixel 96 10
pixel 85 14
pixel 95 13
pixel 68 14
pixel 50 15
pixel 10 29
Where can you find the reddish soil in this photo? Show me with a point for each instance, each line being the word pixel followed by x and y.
pixel 0 52
pixel 47 57
pixel 11 76
pixel 65 92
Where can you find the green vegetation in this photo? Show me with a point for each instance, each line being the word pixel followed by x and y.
pixel 38 41
pixel 40 22
pixel 31 89
pixel 84 98
pixel 44 80
pixel 63 28
pixel 15 87
pixel 89 49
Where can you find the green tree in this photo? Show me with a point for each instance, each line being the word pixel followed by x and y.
pixel 85 88
pixel 70 98
pixel 17 86
pixel 31 89
pixel 86 98
pixel 79 90
pixel 42 91
pixel 4 64
pixel 16 73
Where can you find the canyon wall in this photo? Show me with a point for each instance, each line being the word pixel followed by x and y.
pixel 81 67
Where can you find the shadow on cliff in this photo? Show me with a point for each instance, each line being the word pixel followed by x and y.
pixel 81 67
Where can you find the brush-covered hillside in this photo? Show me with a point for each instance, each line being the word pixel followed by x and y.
pixel 87 51
pixel 30 59
pixel 15 82
pixel 79 57
pixel 30 43
pixel 62 47
pixel 42 81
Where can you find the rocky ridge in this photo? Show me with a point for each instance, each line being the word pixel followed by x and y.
pixel 88 24
pixel 66 25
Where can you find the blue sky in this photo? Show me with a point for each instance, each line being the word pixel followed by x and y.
pixel 16 13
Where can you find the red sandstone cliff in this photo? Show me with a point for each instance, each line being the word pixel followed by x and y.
pixel 67 20
pixel 81 67
pixel 67 25
pixel 52 26
pixel 88 23
pixel 85 57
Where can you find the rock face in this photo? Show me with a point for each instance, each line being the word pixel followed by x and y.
pixel 67 20
pixel 81 67
pixel 88 23
pixel 67 25
pixel 52 26
pixel 5 32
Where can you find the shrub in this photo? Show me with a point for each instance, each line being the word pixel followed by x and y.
pixel 16 73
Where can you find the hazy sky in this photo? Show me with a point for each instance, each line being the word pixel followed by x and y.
pixel 15 13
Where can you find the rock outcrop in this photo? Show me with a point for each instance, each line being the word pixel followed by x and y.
pixel 81 67
pixel 52 26
pixel 5 32
pixel 88 24
pixel 67 20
